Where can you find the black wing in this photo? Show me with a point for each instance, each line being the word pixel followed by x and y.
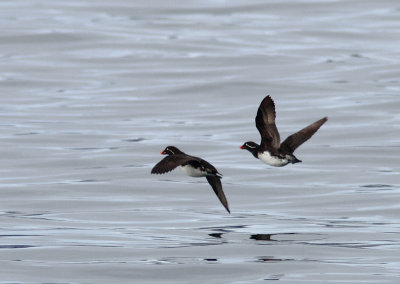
pixel 295 140
pixel 216 185
pixel 169 163
pixel 206 166
pixel 265 123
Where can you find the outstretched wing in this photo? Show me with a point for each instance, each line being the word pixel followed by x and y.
pixel 295 140
pixel 169 163
pixel 206 166
pixel 265 123
pixel 216 185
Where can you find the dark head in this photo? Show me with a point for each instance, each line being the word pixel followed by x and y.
pixel 251 147
pixel 171 150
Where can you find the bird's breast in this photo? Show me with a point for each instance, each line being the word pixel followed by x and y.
pixel 272 160
pixel 192 171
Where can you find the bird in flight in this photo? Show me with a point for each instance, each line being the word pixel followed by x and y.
pixel 191 166
pixel 271 151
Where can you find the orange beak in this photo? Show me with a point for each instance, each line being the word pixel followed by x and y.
pixel 241 147
pixel 162 153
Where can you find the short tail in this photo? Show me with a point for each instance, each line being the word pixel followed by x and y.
pixel 295 160
pixel 292 159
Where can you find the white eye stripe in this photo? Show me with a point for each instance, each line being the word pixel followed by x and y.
pixel 252 147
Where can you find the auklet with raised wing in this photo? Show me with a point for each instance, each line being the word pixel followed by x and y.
pixel 271 151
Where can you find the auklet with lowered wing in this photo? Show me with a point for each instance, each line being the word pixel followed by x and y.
pixel 192 166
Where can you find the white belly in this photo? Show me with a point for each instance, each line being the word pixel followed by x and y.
pixel 271 160
pixel 193 172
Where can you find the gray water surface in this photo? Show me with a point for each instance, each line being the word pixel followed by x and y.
pixel 92 91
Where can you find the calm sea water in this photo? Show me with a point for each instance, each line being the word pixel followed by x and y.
pixel 92 91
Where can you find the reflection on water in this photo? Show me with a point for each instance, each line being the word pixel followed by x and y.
pixel 261 237
pixel 216 235
pixel 15 246
pixel 266 259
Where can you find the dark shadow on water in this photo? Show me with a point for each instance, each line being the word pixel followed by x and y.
pixel 26 133
pixel 274 277
pixel 81 181
pixel 269 259
pixel 211 259
pixel 139 139
pixel 262 237
pixel 216 235
pixel 180 260
pixel 18 214
pixel 268 237
pixel 357 55
pixel 15 246
pixel 20 235
pixel 376 187
pixel 225 229
pixel 135 166
pixel 99 245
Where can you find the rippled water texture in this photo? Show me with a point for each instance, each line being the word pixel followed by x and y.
pixel 92 91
